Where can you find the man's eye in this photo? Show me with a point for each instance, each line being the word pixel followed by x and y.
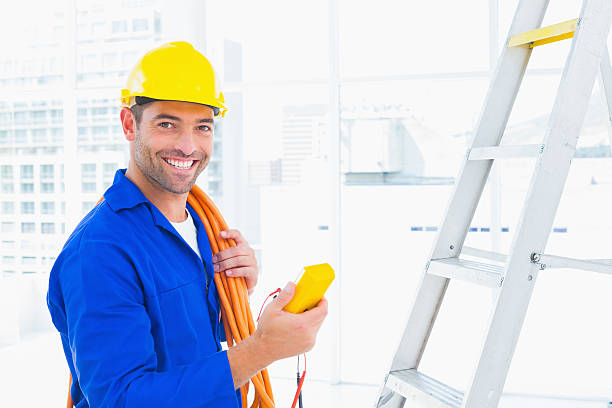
pixel 204 128
pixel 165 125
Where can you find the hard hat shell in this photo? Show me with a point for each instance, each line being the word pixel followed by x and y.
pixel 176 72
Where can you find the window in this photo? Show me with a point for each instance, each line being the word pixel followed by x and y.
pixel 86 206
pixel 46 171
pixel 82 114
pixel 27 171
pixel 119 26
pixel 47 207
pixel 63 208
pixel 39 135
pixel 28 260
pixel 8 188
pixel 27 227
pixel 88 187
pixel 7 227
pixel 5 118
pixel 108 170
pixel 21 118
pixel 8 244
pixel 27 244
pixel 6 172
pixel 27 207
pixel 47 227
pixel 47 188
pixel 82 134
pixel 27 188
pixel 57 135
pixel 100 132
pixel 39 117
pixel 140 24
pixel 4 137
pixel 99 111
pixel 8 260
pixel 21 136
pixel 57 115
pixel 88 171
pixel 109 60
pixel 8 207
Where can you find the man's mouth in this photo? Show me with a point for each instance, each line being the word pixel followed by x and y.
pixel 181 164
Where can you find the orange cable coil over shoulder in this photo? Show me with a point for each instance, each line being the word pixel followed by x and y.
pixel 235 310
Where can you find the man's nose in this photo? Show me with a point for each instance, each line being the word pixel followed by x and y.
pixel 186 143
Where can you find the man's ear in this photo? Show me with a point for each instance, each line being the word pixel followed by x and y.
pixel 128 122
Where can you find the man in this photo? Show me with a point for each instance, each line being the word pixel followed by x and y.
pixel 132 293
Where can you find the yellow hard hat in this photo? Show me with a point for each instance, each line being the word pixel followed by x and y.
pixel 175 72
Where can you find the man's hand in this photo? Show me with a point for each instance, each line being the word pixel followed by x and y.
pixel 279 335
pixel 287 334
pixel 237 261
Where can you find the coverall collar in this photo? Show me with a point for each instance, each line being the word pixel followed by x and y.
pixel 124 194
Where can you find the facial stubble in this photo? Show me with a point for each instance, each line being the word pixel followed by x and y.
pixel 152 166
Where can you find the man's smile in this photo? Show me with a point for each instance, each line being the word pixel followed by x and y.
pixel 181 164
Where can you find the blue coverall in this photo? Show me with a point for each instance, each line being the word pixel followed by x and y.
pixel 137 312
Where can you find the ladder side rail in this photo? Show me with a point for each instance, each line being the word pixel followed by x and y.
pixel 468 189
pixel 541 204
pixel 606 80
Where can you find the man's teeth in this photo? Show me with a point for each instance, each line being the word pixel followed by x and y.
pixel 180 164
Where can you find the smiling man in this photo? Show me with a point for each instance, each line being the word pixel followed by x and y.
pixel 132 292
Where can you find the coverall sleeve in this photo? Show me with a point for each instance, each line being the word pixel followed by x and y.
pixel 111 344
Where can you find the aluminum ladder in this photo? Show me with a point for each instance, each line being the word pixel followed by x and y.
pixel 404 385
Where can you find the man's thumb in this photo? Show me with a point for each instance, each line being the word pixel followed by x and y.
pixel 285 295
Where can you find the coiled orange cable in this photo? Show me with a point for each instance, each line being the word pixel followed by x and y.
pixel 235 310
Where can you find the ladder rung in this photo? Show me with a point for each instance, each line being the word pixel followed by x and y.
pixel 471 271
pixel 593 265
pixel 545 35
pixel 416 386
pixel 505 152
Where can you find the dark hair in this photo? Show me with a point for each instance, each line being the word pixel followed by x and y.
pixel 139 107
pixel 141 101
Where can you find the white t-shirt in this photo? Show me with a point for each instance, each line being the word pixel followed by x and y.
pixel 188 231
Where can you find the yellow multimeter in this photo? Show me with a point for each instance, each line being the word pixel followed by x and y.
pixel 312 283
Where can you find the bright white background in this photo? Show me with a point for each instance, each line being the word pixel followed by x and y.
pixel 426 63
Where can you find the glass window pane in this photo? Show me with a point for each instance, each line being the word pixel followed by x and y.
pixel 8 208
pixel 404 37
pixel 27 227
pixel 27 207
pixel 46 171
pixel 47 188
pixel 88 170
pixel 47 207
pixel 27 171
pixel 6 172
pixel 27 188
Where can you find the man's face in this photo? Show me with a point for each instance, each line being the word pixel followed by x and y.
pixel 173 143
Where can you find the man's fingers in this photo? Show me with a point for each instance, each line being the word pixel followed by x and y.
pixel 283 297
pixel 233 234
pixel 247 272
pixel 235 262
pixel 231 252
pixel 318 313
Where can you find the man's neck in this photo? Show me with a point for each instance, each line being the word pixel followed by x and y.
pixel 170 204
